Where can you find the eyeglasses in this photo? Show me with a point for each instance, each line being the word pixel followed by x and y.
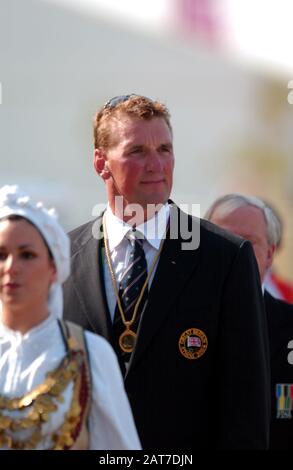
pixel 113 102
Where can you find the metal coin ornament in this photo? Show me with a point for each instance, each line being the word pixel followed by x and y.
pixel 127 340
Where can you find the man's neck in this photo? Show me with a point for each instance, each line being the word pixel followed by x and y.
pixel 132 213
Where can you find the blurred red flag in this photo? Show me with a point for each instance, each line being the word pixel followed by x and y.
pixel 199 18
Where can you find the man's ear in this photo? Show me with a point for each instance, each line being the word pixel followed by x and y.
pixel 270 255
pixel 100 164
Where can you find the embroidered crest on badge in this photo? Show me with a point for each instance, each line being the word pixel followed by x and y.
pixel 193 343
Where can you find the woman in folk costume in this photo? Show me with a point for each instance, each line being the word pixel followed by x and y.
pixel 59 388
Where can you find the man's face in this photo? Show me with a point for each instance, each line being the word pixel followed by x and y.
pixel 248 222
pixel 140 163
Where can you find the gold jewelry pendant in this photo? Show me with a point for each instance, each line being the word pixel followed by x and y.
pixel 127 340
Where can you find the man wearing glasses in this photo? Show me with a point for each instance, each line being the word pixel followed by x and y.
pixel 178 299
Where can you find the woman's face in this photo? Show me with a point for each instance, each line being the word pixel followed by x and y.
pixel 26 271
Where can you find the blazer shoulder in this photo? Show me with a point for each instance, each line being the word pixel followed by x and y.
pixel 221 243
pixel 278 307
pixel 210 232
pixel 213 239
pixel 223 247
pixel 82 234
pixel 217 245
pixel 216 237
pixel 280 320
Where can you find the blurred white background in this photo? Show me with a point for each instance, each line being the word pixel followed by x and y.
pixel 221 66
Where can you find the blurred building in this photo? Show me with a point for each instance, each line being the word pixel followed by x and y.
pixel 60 60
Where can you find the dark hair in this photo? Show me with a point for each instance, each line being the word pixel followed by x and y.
pixel 16 217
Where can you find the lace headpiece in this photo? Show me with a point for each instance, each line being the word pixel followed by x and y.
pixel 15 202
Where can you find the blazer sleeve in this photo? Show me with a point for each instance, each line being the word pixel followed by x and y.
pixel 244 371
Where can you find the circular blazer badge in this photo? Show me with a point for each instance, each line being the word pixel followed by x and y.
pixel 193 343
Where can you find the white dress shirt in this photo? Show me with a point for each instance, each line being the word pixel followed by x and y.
pixel 24 363
pixel 153 231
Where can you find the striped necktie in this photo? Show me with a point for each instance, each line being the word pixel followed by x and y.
pixel 131 284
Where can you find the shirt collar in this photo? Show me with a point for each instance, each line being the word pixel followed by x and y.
pixel 153 229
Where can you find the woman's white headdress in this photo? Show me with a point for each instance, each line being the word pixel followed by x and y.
pixel 15 202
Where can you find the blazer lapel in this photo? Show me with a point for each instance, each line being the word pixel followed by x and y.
pixel 87 269
pixel 174 269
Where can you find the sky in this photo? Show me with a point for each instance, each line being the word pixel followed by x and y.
pixel 143 13
pixel 259 32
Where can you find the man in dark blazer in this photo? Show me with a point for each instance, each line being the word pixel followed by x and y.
pixel 196 364
pixel 255 220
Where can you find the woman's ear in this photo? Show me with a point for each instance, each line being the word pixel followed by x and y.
pixel 53 277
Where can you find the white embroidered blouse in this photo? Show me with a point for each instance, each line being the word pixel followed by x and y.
pixel 24 362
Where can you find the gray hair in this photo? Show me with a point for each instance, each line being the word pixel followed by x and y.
pixel 226 204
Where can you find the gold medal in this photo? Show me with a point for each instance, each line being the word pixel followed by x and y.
pixel 128 337
pixel 127 340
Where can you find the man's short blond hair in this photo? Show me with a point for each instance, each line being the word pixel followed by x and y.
pixel 136 106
